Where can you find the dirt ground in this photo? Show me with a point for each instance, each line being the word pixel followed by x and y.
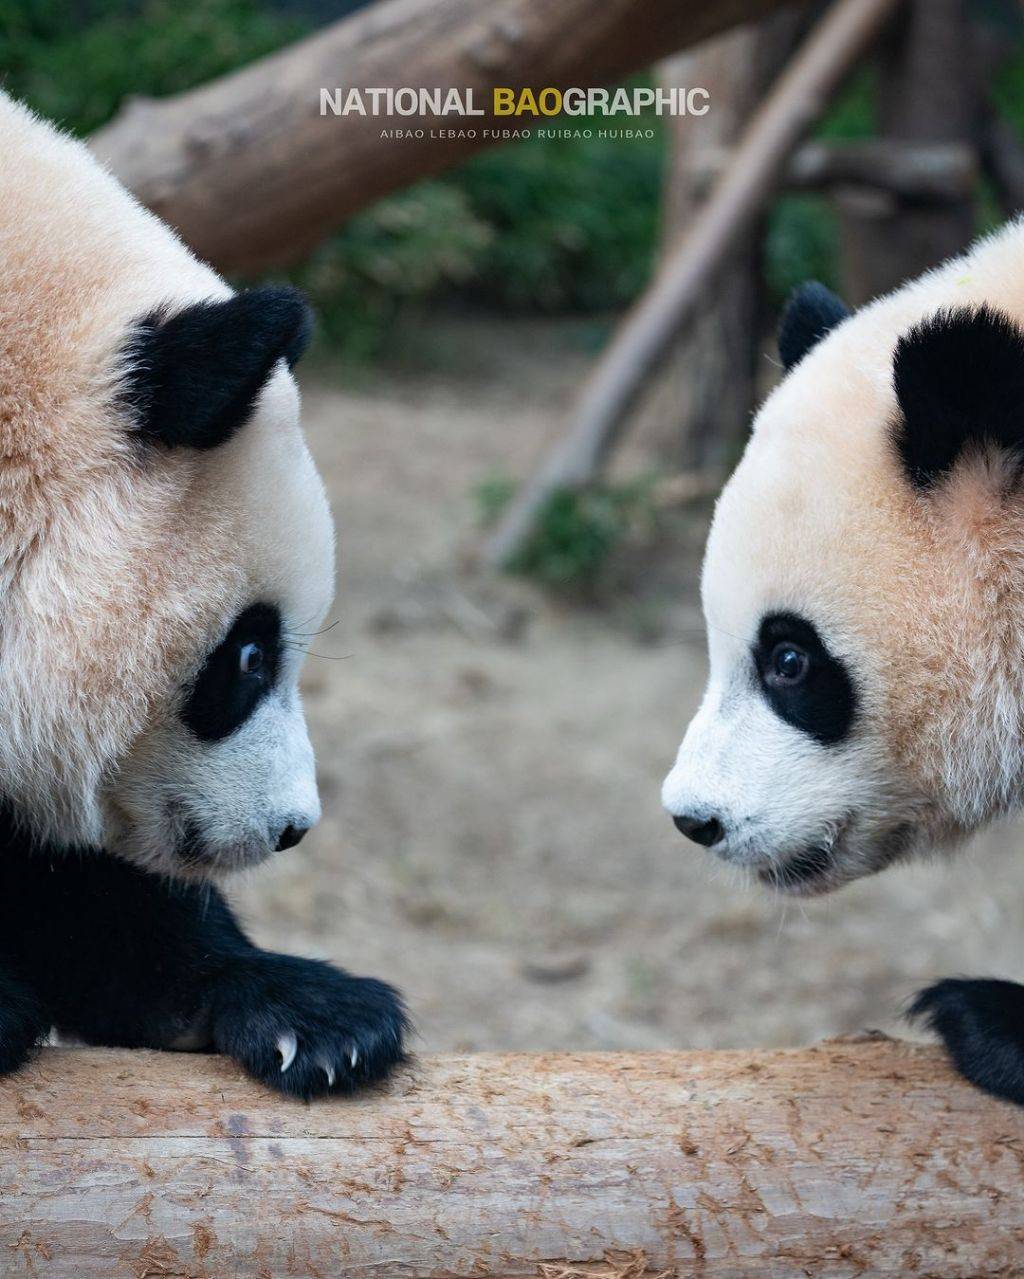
pixel 490 762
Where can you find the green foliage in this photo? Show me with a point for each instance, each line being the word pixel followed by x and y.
pixel 854 114
pixel 574 220
pixel 492 496
pixel 76 62
pixel 1007 91
pixel 389 259
pixel 801 243
pixel 546 224
pixel 577 532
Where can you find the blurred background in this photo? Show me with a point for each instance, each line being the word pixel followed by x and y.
pixel 491 744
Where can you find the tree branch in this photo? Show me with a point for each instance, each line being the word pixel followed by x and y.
pixel 251 174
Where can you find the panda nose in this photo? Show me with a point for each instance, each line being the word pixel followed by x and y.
pixel 706 831
pixel 290 836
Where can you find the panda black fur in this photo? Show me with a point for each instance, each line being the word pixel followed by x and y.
pixel 165 552
pixel 109 954
pixel 864 593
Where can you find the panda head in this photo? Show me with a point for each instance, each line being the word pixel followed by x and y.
pixel 863 590
pixel 223 773
pixel 167 551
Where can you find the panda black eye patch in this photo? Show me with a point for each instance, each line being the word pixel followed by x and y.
pixel 236 676
pixel 804 684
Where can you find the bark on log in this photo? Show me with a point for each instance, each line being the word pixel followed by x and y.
pixel 251 174
pixel 855 1158
pixel 645 336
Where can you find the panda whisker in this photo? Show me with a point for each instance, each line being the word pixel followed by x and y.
pixel 680 637
pixel 326 657
pixel 722 631
pixel 310 634
pixel 688 634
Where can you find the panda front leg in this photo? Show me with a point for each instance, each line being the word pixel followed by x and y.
pixel 23 1022
pixel 981 1022
pixel 121 957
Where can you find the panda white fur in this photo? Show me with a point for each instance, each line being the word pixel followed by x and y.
pixel 166 550
pixel 863 589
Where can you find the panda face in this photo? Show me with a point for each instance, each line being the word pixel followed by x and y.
pixel 224 775
pixel 864 607
pixel 783 770
pixel 166 548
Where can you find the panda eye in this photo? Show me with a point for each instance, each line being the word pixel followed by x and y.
pixel 237 675
pixel 250 659
pixel 804 683
pixel 788 665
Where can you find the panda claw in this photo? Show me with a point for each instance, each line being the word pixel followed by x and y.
pixel 304 1028
pixel 287 1046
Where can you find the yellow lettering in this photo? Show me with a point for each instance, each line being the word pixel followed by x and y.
pixel 550 101
pixel 504 101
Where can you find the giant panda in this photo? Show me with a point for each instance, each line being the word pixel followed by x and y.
pixel 863 591
pixel 166 550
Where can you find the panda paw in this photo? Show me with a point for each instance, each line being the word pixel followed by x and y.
pixel 306 1028
pixel 981 1022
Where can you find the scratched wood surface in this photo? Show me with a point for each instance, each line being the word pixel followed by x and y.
pixel 849 1159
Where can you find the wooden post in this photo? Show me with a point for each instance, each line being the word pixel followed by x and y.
pixel 929 94
pixel 690 270
pixel 854 1158
pixel 710 386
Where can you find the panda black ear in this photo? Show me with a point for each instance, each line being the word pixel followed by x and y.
pixel 193 377
pixel 811 312
pixel 959 379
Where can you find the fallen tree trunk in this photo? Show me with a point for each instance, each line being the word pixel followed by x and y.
pixel 252 175
pixel 855 1158
pixel 689 270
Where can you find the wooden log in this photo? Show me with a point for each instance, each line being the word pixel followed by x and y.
pixel 930 172
pixel 645 336
pixel 913 171
pixel 855 1158
pixel 252 175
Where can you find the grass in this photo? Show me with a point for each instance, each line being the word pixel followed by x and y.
pixel 577 532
